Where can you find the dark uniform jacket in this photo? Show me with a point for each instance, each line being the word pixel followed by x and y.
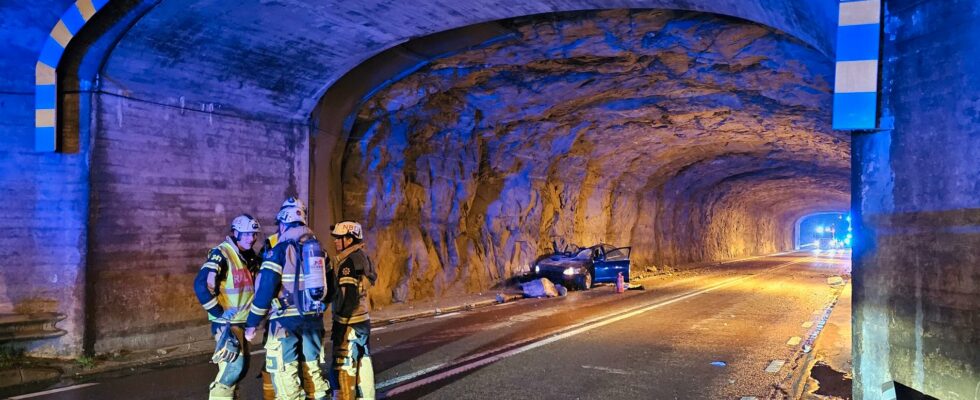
pixel 354 275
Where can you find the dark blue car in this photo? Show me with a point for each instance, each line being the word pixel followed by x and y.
pixel 581 268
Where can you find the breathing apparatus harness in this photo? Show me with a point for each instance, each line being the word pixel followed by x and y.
pixel 311 266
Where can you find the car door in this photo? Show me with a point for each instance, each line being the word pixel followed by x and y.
pixel 601 272
pixel 615 261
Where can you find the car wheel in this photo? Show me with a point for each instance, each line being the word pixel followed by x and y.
pixel 585 281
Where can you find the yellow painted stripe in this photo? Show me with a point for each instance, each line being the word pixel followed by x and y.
pixel 61 34
pixel 86 8
pixel 43 118
pixel 43 74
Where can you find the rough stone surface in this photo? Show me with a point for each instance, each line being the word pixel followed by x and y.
pixel 917 264
pixel 687 136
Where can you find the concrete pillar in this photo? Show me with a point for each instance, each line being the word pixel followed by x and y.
pixel 917 202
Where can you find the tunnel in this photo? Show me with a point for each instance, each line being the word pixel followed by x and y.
pixel 469 137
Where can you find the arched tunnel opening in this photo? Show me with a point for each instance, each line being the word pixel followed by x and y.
pixel 688 136
pixel 834 227
pixel 720 141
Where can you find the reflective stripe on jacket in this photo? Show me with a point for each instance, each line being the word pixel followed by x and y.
pixel 234 287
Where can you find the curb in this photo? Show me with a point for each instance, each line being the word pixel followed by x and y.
pixel 501 299
pixel 809 358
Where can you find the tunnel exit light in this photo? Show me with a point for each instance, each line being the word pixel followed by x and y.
pixel 820 229
pixel 856 82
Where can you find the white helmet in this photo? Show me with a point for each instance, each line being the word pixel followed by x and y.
pixel 292 210
pixel 347 228
pixel 245 224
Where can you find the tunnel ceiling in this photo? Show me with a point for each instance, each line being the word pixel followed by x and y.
pixel 688 135
pixel 276 58
pixel 632 102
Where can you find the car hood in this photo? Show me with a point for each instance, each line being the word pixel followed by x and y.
pixel 563 262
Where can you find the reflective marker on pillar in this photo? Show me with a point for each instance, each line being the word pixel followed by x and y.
pixel 856 78
pixel 45 86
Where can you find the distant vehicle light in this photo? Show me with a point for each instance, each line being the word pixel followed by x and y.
pixel 820 229
pixel 537 269
pixel 569 271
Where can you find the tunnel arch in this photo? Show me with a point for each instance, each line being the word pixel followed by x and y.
pixel 797 232
pixel 176 83
pixel 732 177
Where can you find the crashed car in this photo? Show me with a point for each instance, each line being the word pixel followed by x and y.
pixel 582 267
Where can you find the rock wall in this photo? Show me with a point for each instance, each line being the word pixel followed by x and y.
pixel 688 136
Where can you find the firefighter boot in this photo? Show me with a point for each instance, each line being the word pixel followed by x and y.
pixel 365 379
pixel 316 387
pixel 219 391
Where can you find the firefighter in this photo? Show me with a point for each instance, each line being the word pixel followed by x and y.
pixel 268 390
pixel 292 290
pixel 224 286
pixel 351 330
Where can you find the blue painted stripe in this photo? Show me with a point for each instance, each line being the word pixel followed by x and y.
pixel 851 1
pixel 51 52
pixel 855 110
pixel 858 42
pixel 44 139
pixel 44 97
pixel 98 4
pixel 73 19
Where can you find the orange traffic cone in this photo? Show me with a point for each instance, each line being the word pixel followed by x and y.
pixel 620 285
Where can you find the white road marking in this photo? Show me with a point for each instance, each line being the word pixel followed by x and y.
pixel 403 378
pixel 446 315
pixel 58 390
pixel 793 341
pixel 380 328
pixel 586 326
pixel 758 257
pixel 775 366
pixel 609 370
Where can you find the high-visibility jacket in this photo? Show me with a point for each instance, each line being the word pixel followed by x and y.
pixel 233 285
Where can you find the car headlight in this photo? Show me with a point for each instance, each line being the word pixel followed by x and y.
pixel 569 271
pixel 537 269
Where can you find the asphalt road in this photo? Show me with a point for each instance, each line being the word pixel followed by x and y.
pixel 710 334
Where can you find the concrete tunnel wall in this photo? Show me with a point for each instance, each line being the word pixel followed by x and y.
pixel 917 204
pixel 125 218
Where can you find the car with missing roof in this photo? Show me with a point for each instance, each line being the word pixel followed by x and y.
pixel 583 267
